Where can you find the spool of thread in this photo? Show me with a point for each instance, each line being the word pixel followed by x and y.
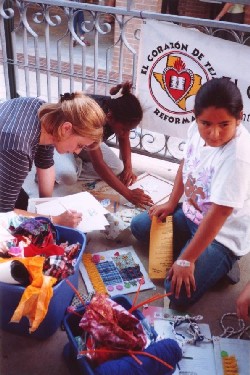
pixel 167 350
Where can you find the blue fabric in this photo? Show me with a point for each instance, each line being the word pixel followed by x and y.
pixel 214 263
pixel 168 350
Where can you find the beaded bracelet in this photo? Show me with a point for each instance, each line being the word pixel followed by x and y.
pixel 193 330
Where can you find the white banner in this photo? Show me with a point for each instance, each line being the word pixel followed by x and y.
pixel 174 62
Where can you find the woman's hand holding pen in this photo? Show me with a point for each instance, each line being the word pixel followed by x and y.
pixel 69 218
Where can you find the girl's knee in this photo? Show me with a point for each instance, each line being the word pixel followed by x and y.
pixel 182 301
pixel 117 167
pixel 140 227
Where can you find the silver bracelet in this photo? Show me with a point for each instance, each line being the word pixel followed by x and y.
pixel 183 263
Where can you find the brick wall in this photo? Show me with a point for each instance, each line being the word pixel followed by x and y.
pixel 194 8
pixel 200 9
pixel 247 14
pixel 191 8
pixel 130 30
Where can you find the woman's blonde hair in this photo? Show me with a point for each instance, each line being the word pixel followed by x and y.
pixel 85 115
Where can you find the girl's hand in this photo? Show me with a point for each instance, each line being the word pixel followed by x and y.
pixel 161 211
pixel 243 303
pixel 68 219
pixel 127 177
pixel 139 198
pixel 179 275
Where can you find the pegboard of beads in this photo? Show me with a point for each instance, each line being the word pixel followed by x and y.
pixel 114 272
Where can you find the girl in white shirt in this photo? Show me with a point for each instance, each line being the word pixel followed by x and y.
pixel 212 226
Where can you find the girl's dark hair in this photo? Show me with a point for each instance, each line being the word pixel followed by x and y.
pixel 126 108
pixel 219 93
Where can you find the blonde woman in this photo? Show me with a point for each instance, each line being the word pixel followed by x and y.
pixel 30 129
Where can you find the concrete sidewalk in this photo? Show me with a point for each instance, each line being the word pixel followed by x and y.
pixel 25 356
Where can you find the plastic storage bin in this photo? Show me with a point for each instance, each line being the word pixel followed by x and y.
pixel 10 295
pixel 81 366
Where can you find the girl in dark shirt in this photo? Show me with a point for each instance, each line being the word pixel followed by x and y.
pixel 123 113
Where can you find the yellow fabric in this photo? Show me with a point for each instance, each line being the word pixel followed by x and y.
pixel 94 275
pixel 36 297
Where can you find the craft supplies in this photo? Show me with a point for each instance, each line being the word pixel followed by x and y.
pixel 117 271
pixel 232 356
pixel 193 332
pixel 230 366
pixel 62 295
pixel 160 358
pixel 231 330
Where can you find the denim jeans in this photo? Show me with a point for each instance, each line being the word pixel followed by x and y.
pixel 214 263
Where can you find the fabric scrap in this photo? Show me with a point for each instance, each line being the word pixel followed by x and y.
pixel 36 297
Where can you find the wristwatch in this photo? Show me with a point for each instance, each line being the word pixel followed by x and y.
pixel 183 263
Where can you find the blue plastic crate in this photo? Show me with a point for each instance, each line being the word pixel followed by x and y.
pixel 10 295
pixel 81 366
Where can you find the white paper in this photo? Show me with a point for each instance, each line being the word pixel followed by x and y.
pixel 5 235
pixel 33 202
pixel 92 211
pixel 202 354
pixel 155 186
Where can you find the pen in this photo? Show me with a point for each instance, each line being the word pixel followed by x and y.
pixel 69 211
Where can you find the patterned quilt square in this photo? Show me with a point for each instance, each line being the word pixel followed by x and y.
pixel 109 273
pixel 131 273
pixel 124 260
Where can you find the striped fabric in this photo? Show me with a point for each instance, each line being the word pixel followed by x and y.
pixel 19 146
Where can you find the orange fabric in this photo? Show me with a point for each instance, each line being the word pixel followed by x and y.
pixel 36 297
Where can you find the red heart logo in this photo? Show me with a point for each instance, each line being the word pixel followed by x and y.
pixel 177 83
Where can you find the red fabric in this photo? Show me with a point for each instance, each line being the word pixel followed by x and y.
pixel 32 250
pixel 112 327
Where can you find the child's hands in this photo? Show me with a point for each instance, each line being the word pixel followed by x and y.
pixel 161 211
pixel 139 198
pixel 127 177
pixel 179 275
pixel 243 303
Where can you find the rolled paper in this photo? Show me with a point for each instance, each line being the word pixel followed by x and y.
pixel 5 273
pixel 20 273
pixel 14 272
